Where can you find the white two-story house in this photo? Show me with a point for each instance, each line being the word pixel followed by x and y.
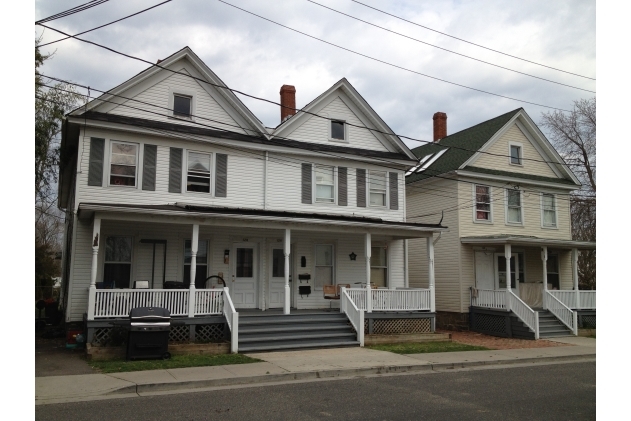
pixel 503 191
pixel 174 190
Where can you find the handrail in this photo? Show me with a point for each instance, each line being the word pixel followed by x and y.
pixel 232 318
pixel 355 315
pixel 523 312
pixel 561 311
pixel 412 299
pixel 488 298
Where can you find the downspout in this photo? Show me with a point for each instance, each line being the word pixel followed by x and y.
pixel 406 278
pixel 265 181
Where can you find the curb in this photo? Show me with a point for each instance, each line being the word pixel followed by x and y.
pixel 314 375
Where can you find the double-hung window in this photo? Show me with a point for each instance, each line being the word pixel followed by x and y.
pixel 198 172
pixel 513 207
pixel 323 265
pixel 201 264
pixel 548 204
pixel 552 266
pixel 379 266
pixel 325 187
pixel 123 164
pixel 515 154
pixel 482 203
pixel 117 267
pixel 378 188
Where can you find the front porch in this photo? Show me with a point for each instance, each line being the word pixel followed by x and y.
pixel 543 309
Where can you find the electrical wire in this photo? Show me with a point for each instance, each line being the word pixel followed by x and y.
pixel 469 42
pixel 72 11
pixel 447 50
pixel 107 24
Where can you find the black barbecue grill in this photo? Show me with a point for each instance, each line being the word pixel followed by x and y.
pixel 149 333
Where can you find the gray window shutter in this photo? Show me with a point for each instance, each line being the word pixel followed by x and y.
pixel 394 191
pixel 307 175
pixel 175 170
pixel 150 153
pixel 361 188
pixel 342 186
pixel 95 168
pixel 221 175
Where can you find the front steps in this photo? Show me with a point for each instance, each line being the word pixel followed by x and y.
pixel 262 332
pixel 551 327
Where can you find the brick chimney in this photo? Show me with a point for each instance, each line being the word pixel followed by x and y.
pixel 440 126
pixel 287 102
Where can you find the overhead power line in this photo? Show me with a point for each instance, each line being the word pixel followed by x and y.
pixel 72 11
pixel 445 49
pixel 107 24
pixel 472 43
pixel 391 64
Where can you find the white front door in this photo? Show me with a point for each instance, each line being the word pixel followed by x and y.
pixel 244 275
pixel 484 270
pixel 277 277
pixel 500 272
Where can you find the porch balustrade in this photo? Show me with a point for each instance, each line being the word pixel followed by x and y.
pixel 523 312
pixel 488 298
pixel 391 299
pixel 587 299
pixel 561 311
pixel 232 317
pixel 354 314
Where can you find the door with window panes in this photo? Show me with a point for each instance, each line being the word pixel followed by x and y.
pixel 243 288
pixel 516 271
pixel 277 277
pixel 117 266
pixel 379 267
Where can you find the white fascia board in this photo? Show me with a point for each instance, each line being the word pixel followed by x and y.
pixel 304 224
pixel 474 175
pixel 234 143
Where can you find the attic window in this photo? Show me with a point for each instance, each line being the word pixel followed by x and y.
pixel 337 130
pixel 182 105
pixel 515 154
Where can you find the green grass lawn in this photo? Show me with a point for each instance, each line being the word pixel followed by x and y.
pixel 176 361
pixel 425 347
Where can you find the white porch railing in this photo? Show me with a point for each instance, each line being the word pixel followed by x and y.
pixel 118 303
pixel 354 314
pixel 208 301
pixel 524 312
pixel 390 299
pixel 488 298
pixel 561 311
pixel 587 299
pixel 232 317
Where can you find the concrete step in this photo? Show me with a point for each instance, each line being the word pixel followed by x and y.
pixel 282 345
pixel 289 319
pixel 297 327
pixel 298 337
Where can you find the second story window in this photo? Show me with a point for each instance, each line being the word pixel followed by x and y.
pixel 513 206
pixel 182 105
pixel 548 204
pixel 338 131
pixel 483 203
pixel 198 172
pixel 325 188
pixel 377 183
pixel 123 164
pixel 515 154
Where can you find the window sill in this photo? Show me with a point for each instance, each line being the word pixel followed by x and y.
pixel 338 140
pixel 515 224
pixel 179 117
pixel 549 228
pixel 119 186
pixel 482 221
pixel 516 165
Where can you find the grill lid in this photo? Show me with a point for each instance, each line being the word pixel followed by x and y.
pixel 150 314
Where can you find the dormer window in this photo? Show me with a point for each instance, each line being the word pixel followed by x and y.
pixel 182 105
pixel 338 130
pixel 515 154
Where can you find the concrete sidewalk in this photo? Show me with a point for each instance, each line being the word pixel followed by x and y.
pixel 291 366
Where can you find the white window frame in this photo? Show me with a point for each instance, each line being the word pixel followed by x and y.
pixel 521 207
pixel 104 260
pixel 182 92
pixel 208 256
pixel 386 267
pixel 315 185
pixel 386 189
pixel 556 211
pixel 330 129
pixel 212 172
pixel 475 205
pixel 109 163
pixel 521 154
pixel 315 265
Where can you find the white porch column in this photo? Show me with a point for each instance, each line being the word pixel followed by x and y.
pixel 507 255
pixel 96 234
pixel 430 275
pixel 368 252
pixel 191 287
pixel 287 251
pixel 575 277
pixel 544 260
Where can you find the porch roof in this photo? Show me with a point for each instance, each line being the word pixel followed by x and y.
pixel 526 240
pixel 317 220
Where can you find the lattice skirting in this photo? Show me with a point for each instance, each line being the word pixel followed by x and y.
pixel 179 334
pixel 115 336
pixel 587 322
pixel 489 323
pixel 209 333
pixel 396 326
pixel 101 336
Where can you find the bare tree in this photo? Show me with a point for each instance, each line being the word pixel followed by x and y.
pixel 574 136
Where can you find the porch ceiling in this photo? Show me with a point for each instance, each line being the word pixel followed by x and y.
pixel 256 218
pixel 523 240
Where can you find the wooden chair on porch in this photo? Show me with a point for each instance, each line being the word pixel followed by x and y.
pixel 331 292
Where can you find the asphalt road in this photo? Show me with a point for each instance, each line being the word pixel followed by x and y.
pixel 539 392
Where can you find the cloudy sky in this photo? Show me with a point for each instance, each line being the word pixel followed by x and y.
pixel 255 56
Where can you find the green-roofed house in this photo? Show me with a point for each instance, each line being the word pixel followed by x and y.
pixel 503 191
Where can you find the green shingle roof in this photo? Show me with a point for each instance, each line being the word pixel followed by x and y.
pixel 462 145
